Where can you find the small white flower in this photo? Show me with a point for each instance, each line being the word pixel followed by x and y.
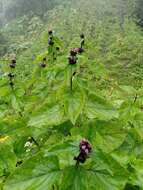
pixel 28 144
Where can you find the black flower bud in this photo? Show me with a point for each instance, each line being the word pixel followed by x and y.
pixel 82 36
pixel 44 59
pixel 43 65
pixel 50 42
pixel 57 48
pixel 11 84
pixel 13 61
pixel 11 75
pixel 19 163
pixel 50 32
pixel 12 65
pixel 80 158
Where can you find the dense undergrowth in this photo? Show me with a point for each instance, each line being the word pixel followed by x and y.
pixel 71 105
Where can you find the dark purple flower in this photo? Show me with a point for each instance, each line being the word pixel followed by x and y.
pixel 80 50
pixel 80 158
pixel 85 149
pixel 72 60
pixel 73 52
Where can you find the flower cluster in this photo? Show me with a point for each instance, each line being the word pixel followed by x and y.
pixel 79 50
pixel 73 58
pixel 11 75
pixel 74 52
pixel 43 63
pixel 85 150
pixel 50 41
pixel 85 147
pixel 13 64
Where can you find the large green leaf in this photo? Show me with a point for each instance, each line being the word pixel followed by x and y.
pixel 103 173
pixel 14 129
pixel 7 156
pixel 106 173
pixel 97 107
pixel 109 135
pixel 65 152
pixel 37 173
pixel 53 116
pixel 74 179
pixel 74 103
pixel 101 181
pixel 136 177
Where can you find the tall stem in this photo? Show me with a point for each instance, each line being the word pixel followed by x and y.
pixel 71 78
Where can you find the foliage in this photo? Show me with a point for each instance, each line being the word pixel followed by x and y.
pixel 70 119
pixel 43 120
pixel 139 12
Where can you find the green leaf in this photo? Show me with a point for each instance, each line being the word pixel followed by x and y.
pixel 7 156
pixel 14 102
pixel 97 107
pixel 137 173
pixel 74 179
pixel 53 116
pixel 106 173
pixel 74 104
pixel 14 129
pixel 109 135
pixel 19 146
pixel 37 173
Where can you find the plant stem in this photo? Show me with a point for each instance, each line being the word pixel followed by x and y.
pixel 71 78
pixel 36 143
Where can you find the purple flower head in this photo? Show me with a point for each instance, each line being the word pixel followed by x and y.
pixel 80 50
pixel 72 60
pixel 73 52
pixel 85 150
pixel 85 147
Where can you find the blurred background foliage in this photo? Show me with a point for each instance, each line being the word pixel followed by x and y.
pixel 113 31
